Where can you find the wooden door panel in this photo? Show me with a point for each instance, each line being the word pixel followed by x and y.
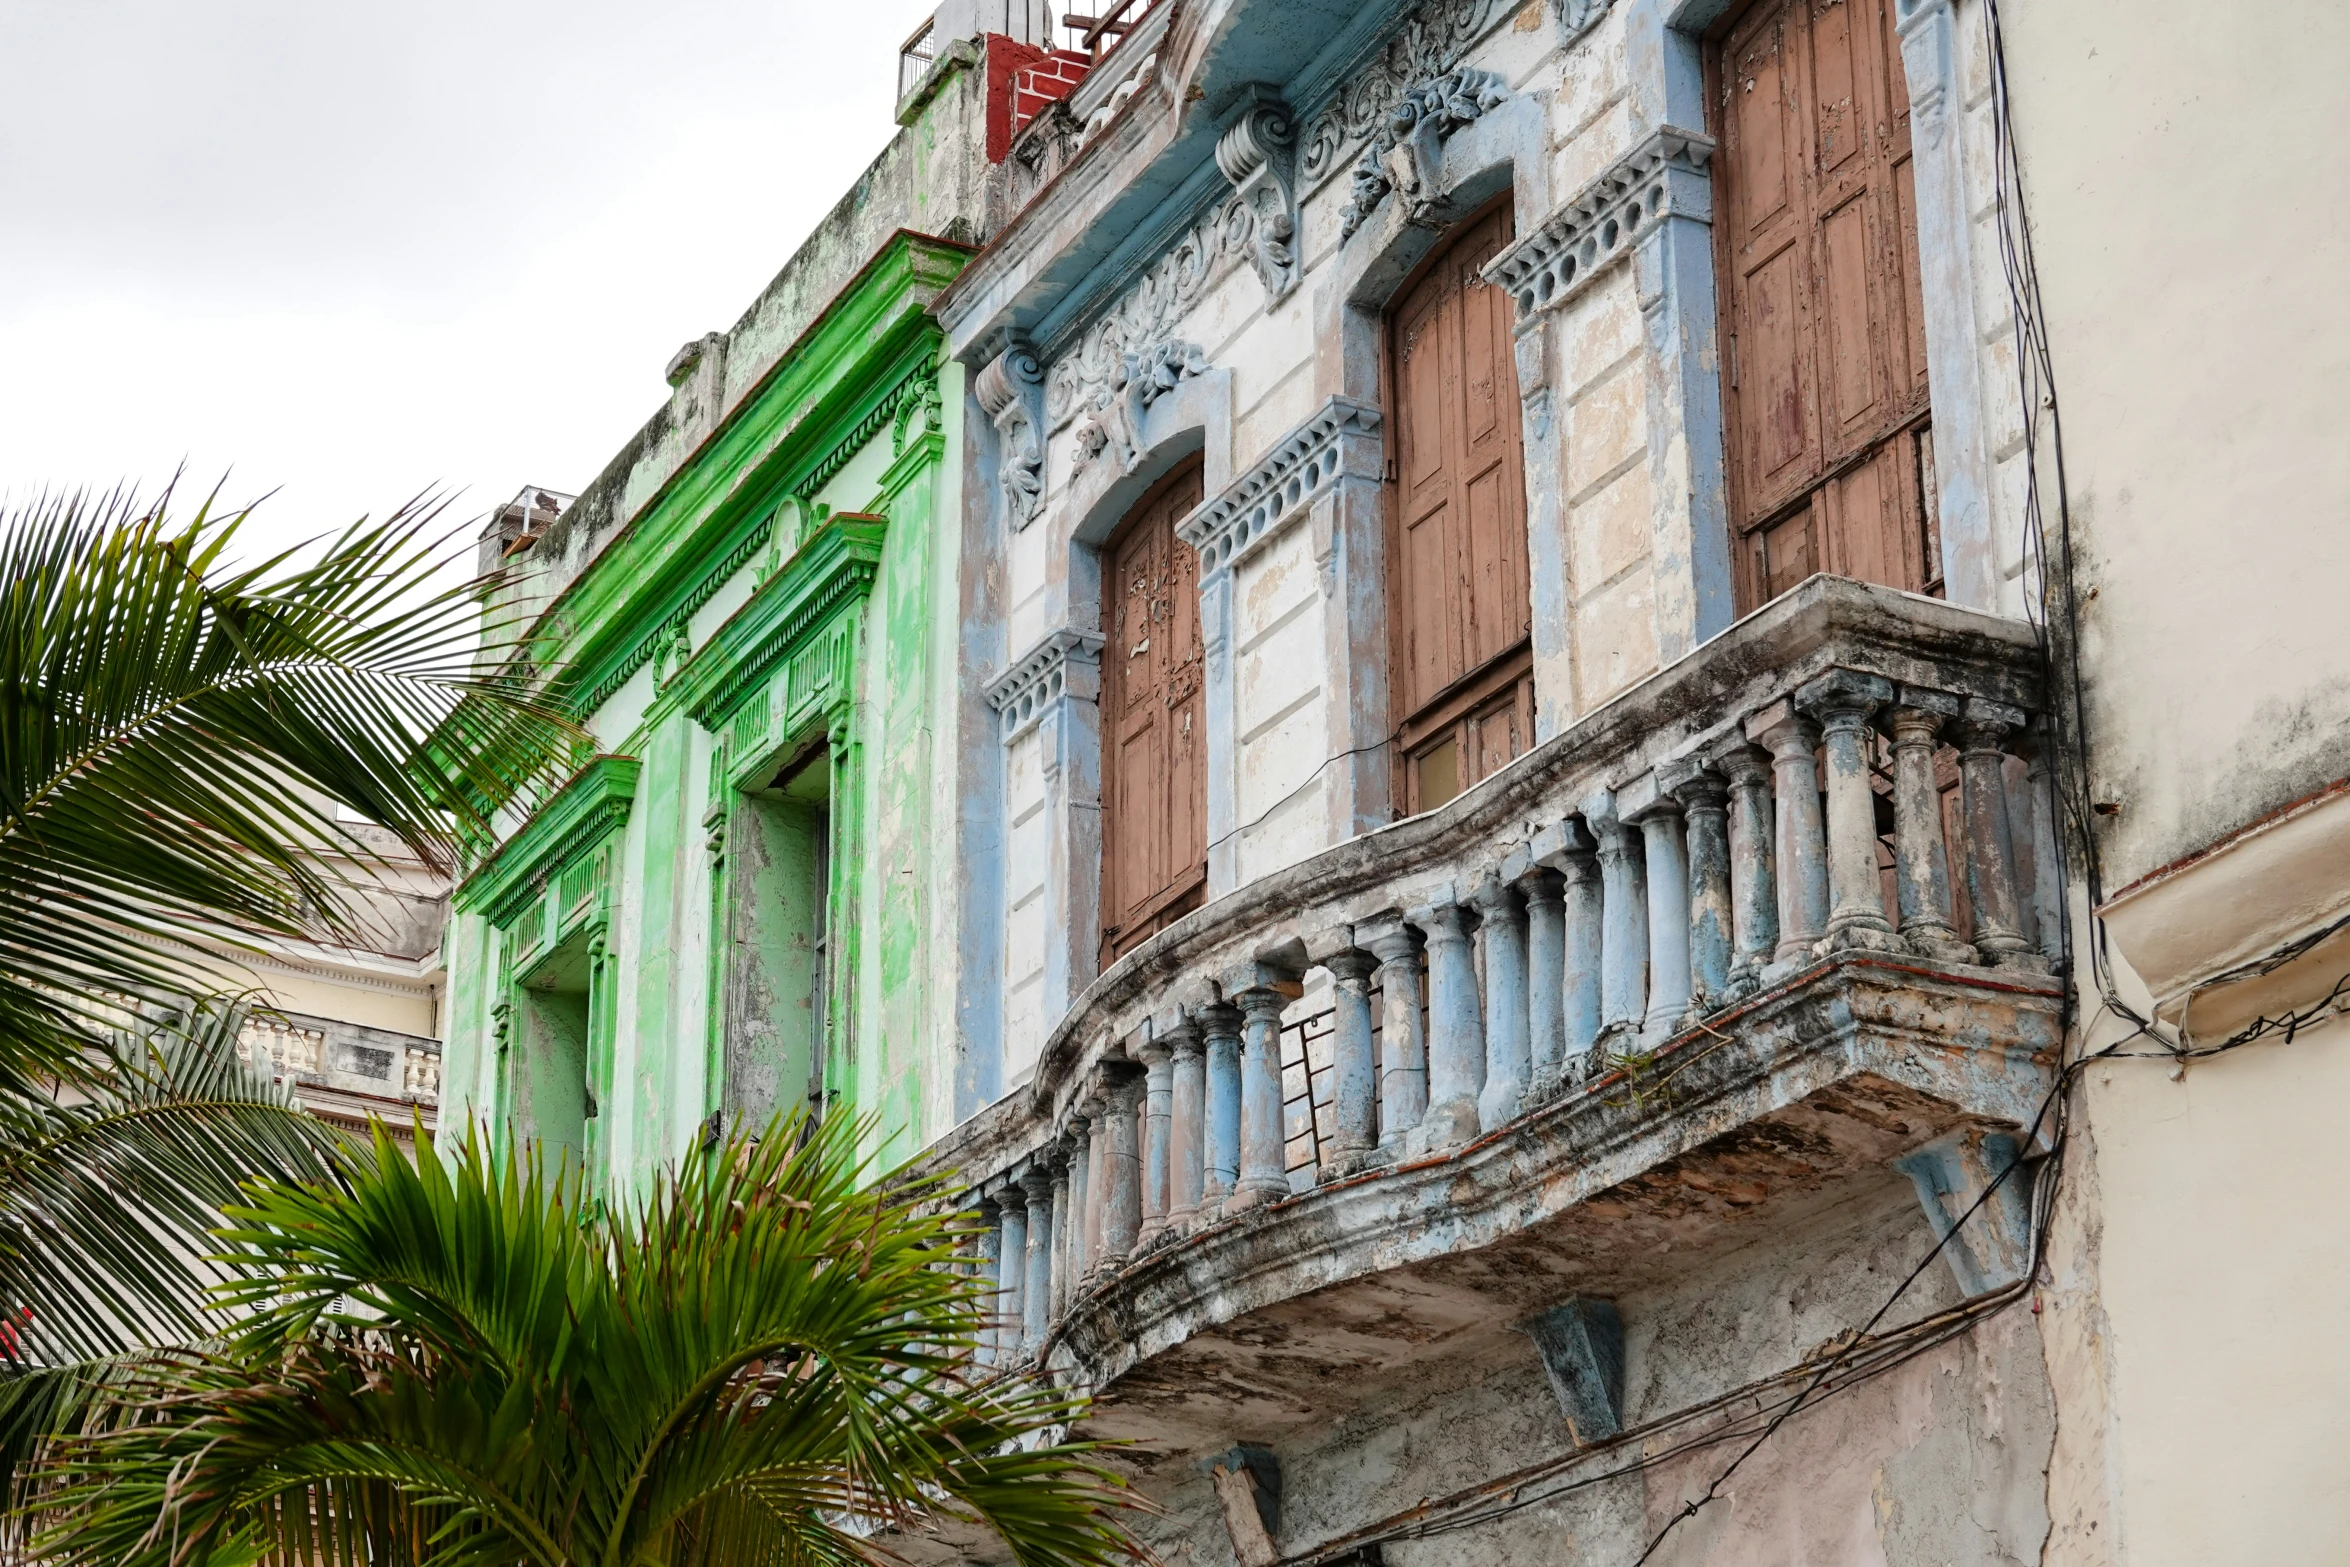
pixel 1820 296
pixel 1852 345
pixel 1765 154
pixel 1771 345
pixel 1913 298
pixel 1835 117
pixel 1458 598
pixel 1154 784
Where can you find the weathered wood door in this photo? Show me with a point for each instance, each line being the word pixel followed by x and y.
pixel 1824 358
pixel 1154 740
pixel 1462 667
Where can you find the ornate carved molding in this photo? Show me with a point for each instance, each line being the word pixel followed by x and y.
pixel 1255 154
pixel 1664 177
pixel 1577 17
pixel 1427 46
pixel 1136 382
pixel 1144 318
pixel 1405 154
pixel 1341 437
pixel 1011 390
pixel 1066 662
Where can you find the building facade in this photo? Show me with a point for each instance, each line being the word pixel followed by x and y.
pixel 1564 871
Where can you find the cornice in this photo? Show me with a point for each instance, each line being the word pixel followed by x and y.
pixel 1021 694
pixel 1337 439
pixel 824 397
pixel 593 802
pixel 830 574
pixel 1666 175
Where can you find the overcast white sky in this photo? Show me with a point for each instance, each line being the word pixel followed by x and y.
pixel 349 251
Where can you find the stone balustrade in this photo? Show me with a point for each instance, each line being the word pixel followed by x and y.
pixel 1846 778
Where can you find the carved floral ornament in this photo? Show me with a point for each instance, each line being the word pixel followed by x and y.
pixel 1406 153
pixel 1136 382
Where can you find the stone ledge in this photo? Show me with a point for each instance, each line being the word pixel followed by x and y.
pixel 1838 1071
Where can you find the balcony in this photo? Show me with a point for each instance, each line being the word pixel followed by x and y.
pixel 1780 918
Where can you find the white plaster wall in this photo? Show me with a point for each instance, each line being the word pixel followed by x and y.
pixel 1280 720
pixel 1027 862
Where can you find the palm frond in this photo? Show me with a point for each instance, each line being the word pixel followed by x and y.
pixel 767 1362
pixel 176 734
pixel 109 1194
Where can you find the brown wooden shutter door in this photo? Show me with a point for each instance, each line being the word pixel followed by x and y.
pixel 1824 362
pixel 1154 738
pixel 1459 603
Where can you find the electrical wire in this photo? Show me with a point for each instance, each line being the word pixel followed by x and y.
pixel 2052 606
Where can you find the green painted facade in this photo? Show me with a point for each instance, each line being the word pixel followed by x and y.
pixel 731 908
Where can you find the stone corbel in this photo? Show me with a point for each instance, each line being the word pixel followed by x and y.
pixel 1582 1348
pixel 1255 154
pixel 1011 392
pixel 1987 1245
pixel 1407 154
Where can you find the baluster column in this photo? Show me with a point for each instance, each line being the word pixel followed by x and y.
pixel 1186 1125
pixel 1036 1308
pixel 1921 860
pixel 1012 1272
pixel 1262 1178
pixel 1158 1108
pixel 1221 1024
pixel 1584 918
pixel 1705 813
pixel 1354 1093
pixel 1754 908
pixel 1061 1284
pixel 1623 939
pixel 1842 701
pixel 1665 862
pixel 1546 982
pixel 1403 1043
pixel 1456 1028
pixel 1800 837
pixel 1083 1216
pixel 1120 1197
pixel 1501 932
pixel 989 1270
pixel 1982 729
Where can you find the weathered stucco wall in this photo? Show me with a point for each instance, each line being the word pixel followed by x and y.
pixel 2195 1322
pixel 2201 383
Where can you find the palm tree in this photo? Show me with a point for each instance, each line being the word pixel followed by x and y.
pixel 176 736
pixel 768 1362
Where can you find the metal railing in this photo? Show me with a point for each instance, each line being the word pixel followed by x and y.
pixel 1098 35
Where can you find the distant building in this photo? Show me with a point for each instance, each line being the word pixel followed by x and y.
pixel 356 1030
pixel 1587 764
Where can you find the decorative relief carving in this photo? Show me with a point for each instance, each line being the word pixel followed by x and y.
pixel 1254 153
pixel 1342 437
pixel 1136 382
pixel 1665 176
pixel 1011 390
pixel 1145 318
pixel 1577 17
pixel 1427 46
pixel 1405 154
pixel 1065 662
